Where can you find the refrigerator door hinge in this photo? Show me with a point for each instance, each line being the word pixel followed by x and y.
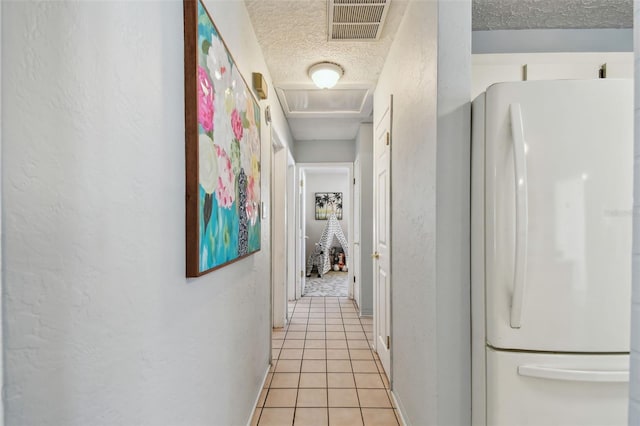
pixel 388 342
pixel 354 278
pixel 354 181
pixel 388 139
pixel 525 72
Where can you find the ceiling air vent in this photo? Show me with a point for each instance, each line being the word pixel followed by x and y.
pixel 355 20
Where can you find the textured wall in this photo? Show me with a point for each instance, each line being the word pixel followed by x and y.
pixel 430 136
pixel 634 404
pixel 101 325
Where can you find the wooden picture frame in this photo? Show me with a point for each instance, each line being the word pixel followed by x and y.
pixel 222 150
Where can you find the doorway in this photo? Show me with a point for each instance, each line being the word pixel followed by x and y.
pixel 325 231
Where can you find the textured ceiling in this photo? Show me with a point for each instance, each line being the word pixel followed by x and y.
pixel 293 36
pixel 539 14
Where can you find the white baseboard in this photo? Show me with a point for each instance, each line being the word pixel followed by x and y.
pixel 255 403
pixel 399 409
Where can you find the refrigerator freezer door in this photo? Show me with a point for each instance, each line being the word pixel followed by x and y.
pixel 550 389
pixel 558 204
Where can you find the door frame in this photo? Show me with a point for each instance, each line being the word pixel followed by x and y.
pixel 278 212
pixel 300 264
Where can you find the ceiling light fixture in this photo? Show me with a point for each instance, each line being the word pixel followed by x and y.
pixel 325 75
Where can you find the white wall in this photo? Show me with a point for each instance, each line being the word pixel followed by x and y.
pixel 319 181
pixel 101 325
pixel 634 405
pixel 430 160
pixel 364 152
pixel 333 151
pixel 554 40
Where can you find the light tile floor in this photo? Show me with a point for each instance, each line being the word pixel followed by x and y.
pixel 324 371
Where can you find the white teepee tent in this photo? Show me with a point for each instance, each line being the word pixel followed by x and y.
pixel 333 229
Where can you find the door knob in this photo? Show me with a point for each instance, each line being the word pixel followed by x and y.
pixel 376 255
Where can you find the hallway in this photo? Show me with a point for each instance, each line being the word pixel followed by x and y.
pixel 324 372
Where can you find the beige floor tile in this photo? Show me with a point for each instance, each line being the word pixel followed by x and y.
pixel 379 417
pixel 297 327
pixel 295 335
pixel 313 380
pixel 380 367
pixel 374 398
pixel 312 398
pixel 343 398
pixel 368 380
pixel 316 310
pixel 354 335
pixel 314 344
pixel 316 315
pixel 352 327
pixel 275 353
pixel 315 354
pixel 256 416
pixel 315 327
pixel 337 335
pixel 361 366
pixel 276 343
pixel 385 381
pixel 332 309
pixel 293 344
pixel 314 366
pixel 311 417
pixel 335 327
pixel 276 416
pixel 291 354
pixel 366 320
pixel 339 366
pixel 288 366
pixel 285 380
pixel 336 344
pixel 334 315
pixel 262 398
pixel 340 380
pixel 334 321
pixel 279 334
pixel 316 321
pixel 358 344
pixel 337 354
pixel 351 321
pixel 345 417
pixel 315 335
pixel 359 353
pixel 281 398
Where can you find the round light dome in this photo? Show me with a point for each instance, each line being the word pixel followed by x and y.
pixel 325 75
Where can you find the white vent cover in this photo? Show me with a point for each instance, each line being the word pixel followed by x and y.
pixel 357 20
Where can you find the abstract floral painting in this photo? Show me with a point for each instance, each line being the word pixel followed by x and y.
pixel 222 126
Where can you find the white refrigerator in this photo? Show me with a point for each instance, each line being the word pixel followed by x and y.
pixel 552 195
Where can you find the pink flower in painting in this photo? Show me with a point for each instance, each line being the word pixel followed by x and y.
pixel 236 124
pixel 225 190
pixel 205 100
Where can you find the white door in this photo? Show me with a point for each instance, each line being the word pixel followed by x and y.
pixel 559 206
pixel 381 235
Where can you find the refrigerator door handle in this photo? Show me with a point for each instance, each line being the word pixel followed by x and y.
pixel 522 217
pixel 574 375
